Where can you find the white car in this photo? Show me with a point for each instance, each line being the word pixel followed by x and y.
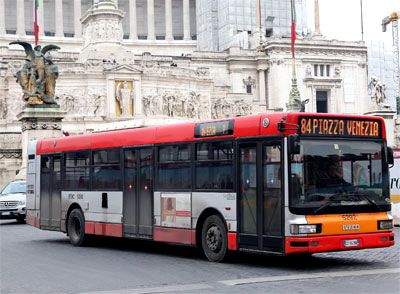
pixel 13 201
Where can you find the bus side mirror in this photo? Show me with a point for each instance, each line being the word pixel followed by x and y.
pixel 294 144
pixel 390 157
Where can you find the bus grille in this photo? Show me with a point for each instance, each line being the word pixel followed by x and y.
pixel 8 204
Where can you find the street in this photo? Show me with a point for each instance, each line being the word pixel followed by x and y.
pixel 34 261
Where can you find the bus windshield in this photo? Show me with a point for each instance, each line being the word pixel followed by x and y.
pixel 338 176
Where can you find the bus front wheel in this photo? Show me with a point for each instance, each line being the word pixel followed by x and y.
pixel 214 238
pixel 76 228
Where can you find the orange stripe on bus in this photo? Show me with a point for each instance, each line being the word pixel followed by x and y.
pixel 334 224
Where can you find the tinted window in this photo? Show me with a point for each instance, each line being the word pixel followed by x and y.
pixel 174 153
pixel 76 178
pixel 214 151
pixel 76 173
pixel 175 176
pixel 214 167
pixel 107 174
pixel 106 178
pixel 174 170
pixel 214 175
pixel 77 159
pixel 106 156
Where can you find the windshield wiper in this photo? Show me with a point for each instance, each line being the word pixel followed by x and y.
pixel 371 201
pixel 327 204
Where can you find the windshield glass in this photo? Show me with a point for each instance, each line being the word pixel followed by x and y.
pixel 14 187
pixel 338 176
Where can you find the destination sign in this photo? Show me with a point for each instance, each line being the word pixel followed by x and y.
pixel 212 129
pixel 344 127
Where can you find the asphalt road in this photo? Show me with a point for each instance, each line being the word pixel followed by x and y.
pixel 34 261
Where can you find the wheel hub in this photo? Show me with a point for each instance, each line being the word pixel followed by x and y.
pixel 214 238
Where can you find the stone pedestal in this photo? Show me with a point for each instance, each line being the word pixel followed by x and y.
pixel 38 122
pixel 388 115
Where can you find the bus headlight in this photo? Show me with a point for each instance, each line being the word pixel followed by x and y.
pixel 305 229
pixel 385 225
pixel 21 202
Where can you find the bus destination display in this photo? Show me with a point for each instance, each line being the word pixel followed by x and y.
pixel 344 127
pixel 212 129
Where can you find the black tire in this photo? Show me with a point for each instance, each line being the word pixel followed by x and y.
pixel 76 228
pixel 214 239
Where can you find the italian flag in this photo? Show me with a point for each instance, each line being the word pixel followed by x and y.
pixel 36 24
pixel 293 27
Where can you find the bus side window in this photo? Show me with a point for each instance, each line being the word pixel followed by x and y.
pixel 214 166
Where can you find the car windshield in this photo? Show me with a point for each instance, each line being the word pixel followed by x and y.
pixel 14 187
pixel 338 176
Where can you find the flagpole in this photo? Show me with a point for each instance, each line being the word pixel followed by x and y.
pixel 35 24
pixel 294 94
pixel 362 21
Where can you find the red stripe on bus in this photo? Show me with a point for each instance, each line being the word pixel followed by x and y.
pixel 232 242
pixel 337 243
pixel 174 235
pixel 103 229
pixel 184 213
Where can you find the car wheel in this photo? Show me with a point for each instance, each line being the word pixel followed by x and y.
pixel 21 219
pixel 214 238
pixel 76 228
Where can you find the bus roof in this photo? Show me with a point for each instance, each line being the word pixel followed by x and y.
pixel 244 126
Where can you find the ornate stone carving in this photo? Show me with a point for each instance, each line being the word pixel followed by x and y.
pixel 10 154
pixel 82 103
pixel 377 90
pixel 338 71
pixel 176 105
pixel 37 77
pixel 221 108
pixel 249 81
pixel 308 71
pixel 124 95
pixel 36 125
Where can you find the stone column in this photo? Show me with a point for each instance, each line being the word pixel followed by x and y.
pixel 186 20
pixel 20 18
pixel 150 20
pixel 41 18
pixel 2 19
pixel 261 86
pixel 77 18
pixel 38 122
pixel 168 21
pixel 59 18
pixel 132 20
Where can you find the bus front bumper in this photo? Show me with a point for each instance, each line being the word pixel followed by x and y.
pixel 300 245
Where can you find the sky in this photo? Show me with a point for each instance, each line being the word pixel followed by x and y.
pixel 341 19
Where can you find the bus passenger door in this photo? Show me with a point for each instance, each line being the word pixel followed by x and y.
pixel 138 189
pixel 260 195
pixel 50 192
pixel 130 192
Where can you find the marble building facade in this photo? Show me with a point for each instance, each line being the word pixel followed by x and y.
pixel 110 79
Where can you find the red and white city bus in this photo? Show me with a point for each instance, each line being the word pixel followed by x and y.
pixel 279 183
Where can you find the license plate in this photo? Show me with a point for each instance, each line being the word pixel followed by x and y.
pixel 351 243
pixel 6 213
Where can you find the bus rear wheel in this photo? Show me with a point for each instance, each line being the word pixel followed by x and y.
pixel 76 228
pixel 214 238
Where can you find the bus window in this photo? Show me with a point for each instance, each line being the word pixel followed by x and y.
pixel 214 167
pixel 107 173
pixel 76 171
pixel 174 167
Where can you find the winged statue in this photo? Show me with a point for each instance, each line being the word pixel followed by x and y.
pixel 37 77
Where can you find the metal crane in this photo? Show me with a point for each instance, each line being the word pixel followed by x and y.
pixel 394 18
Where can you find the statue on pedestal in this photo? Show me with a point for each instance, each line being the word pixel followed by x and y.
pixel 38 75
pixel 377 90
